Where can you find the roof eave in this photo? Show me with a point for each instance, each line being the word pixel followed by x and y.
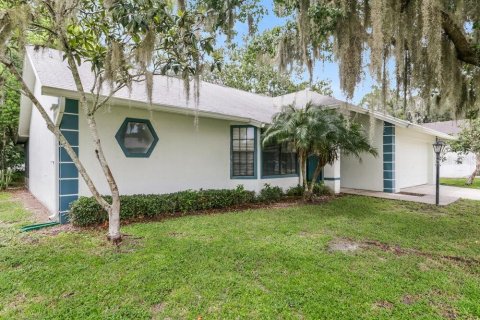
pixel 31 78
pixel 52 91
pixel 399 122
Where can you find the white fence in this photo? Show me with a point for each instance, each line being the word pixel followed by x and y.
pixel 452 168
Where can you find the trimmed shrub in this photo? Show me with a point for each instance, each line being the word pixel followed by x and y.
pixel 270 194
pixel 320 189
pixel 296 191
pixel 86 211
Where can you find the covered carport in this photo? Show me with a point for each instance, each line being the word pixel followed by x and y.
pixel 405 155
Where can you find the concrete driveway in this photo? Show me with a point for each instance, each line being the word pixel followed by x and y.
pixel 422 194
pixel 445 191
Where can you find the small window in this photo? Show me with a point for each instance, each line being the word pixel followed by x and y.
pixel 136 137
pixel 279 160
pixel 243 141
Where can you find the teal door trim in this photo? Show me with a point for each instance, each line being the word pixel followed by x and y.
pixel 311 165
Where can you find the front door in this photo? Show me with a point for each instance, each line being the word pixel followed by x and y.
pixel 311 165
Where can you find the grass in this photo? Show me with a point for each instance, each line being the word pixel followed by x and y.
pixel 460 182
pixel 257 264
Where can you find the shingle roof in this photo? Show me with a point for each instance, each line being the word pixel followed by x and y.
pixel 301 98
pixel 54 75
pixel 167 91
pixel 452 127
pixel 168 94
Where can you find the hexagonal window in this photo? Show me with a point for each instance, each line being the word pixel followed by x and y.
pixel 136 137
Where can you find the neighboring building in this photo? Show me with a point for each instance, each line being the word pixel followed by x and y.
pixel 158 149
pixel 454 166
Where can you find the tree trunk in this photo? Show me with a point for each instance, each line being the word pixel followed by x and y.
pixel 302 176
pixel 114 234
pixel 56 131
pixel 316 174
pixel 476 171
pixel 4 145
pixel 114 209
pixel 303 169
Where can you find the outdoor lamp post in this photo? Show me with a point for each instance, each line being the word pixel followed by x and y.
pixel 438 148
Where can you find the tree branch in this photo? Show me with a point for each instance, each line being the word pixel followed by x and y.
pixel 92 124
pixel 465 51
pixel 39 26
pixel 101 103
pixel 55 130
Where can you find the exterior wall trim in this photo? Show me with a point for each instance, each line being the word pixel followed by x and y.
pixel 67 172
pixel 389 183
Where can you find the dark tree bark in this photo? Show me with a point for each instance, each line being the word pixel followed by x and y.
pixel 466 52
pixel 476 171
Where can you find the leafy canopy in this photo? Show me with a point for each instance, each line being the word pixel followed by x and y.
pixel 468 139
pixel 434 45
pixel 244 69
pixel 314 130
pixel 126 40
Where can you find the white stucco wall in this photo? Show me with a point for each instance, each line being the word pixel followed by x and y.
pixel 332 174
pixel 43 154
pixel 414 158
pixel 366 174
pixel 451 168
pixel 185 157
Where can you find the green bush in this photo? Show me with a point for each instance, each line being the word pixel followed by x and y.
pixel 270 194
pixel 296 191
pixel 6 177
pixel 86 211
pixel 320 189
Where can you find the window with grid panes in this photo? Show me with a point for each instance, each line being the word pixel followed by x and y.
pixel 279 159
pixel 243 151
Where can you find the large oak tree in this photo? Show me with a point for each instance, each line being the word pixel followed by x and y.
pixel 434 45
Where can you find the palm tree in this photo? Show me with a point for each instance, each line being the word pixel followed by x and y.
pixel 320 132
pixel 294 126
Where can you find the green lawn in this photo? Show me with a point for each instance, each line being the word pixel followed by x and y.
pixel 257 264
pixel 460 182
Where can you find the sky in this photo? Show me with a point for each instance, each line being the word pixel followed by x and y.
pixel 323 70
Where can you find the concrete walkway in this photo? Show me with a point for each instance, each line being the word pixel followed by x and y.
pixel 464 193
pixel 421 194
pixel 40 213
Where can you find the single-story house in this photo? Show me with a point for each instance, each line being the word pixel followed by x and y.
pixel 156 148
pixel 454 166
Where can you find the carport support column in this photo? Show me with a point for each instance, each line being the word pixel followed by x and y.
pixel 331 176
